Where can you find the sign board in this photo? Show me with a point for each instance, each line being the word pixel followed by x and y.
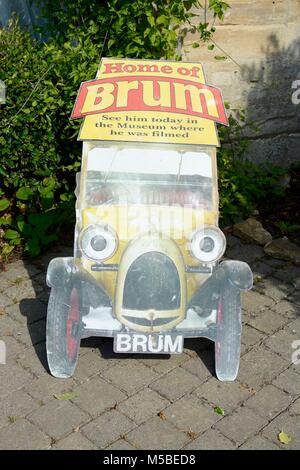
pixel 149 101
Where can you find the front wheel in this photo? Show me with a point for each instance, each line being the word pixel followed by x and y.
pixel 228 334
pixel 63 331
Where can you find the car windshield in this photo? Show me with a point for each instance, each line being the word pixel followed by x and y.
pixel 148 176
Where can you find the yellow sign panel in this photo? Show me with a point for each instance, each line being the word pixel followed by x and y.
pixel 149 101
pixel 136 126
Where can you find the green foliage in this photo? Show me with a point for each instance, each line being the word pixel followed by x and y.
pixel 131 28
pixel 39 155
pixel 286 228
pixel 242 184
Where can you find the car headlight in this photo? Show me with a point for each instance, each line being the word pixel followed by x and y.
pixel 208 245
pixel 98 242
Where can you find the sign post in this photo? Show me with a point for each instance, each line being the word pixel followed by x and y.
pixel 147 267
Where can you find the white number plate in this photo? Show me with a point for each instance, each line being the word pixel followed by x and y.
pixel 148 343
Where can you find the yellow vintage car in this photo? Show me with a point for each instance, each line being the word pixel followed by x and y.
pixel 146 268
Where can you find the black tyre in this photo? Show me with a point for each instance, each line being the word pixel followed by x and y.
pixel 63 331
pixel 228 334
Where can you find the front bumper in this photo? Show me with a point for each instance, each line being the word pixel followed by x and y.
pixel 198 319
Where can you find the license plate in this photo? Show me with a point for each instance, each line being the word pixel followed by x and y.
pixel 148 343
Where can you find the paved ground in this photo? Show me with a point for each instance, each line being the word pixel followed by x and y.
pixel 153 403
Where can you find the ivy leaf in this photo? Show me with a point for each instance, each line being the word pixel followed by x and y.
pixel 24 193
pixel 219 411
pixel 7 249
pixel 33 246
pixel 11 234
pixel 284 438
pixel 220 57
pixel 4 204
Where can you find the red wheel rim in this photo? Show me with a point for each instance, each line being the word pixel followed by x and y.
pixel 73 317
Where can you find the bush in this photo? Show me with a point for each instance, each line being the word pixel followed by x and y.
pixel 39 155
pixel 243 185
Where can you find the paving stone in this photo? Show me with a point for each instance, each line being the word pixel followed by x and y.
pixel 109 427
pixel 75 441
pixel 58 418
pixel 9 326
pixel 194 347
pixel 294 327
pixel 13 347
pixel 241 424
pixel 45 387
pixel 32 334
pixel 261 270
pixel 157 434
pixel 286 309
pixel 121 444
pixel 282 343
pixel 189 414
pixel 275 289
pixel 96 396
pixel 162 364
pixel 288 381
pixel 19 270
pixel 203 366
pixel 40 279
pixel 268 402
pixel 250 337
pixel 267 321
pixel 175 384
pixel 295 408
pixel 211 440
pixel 4 284
pixel 258 443
pixel 296 367
pixel 5 301
pixel 18 405
pixel 89 364
pixel 290 275
pixel 24 290
pixel 227 395
pixel 107 353
pixel 12 377
pixel 22 435
pixel 253 302
pixel 131 376
pixel 295 297
pixel 28 311
pixel 35 360
pixel 288 424
pixel 4 421
pixel 260 366
pixel 143 405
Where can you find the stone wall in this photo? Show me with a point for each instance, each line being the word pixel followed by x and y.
pixel 262 37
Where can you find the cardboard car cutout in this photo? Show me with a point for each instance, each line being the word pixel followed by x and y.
pixel 146 268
